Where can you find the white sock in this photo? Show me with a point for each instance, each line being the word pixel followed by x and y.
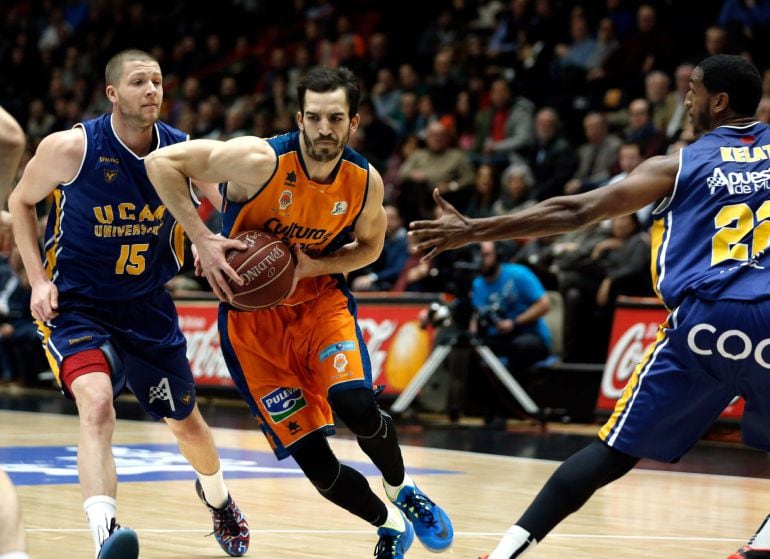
pixel 100 510
pixel 515 543
pixel 761 540
pixel 214 488
pixel 395 519
pixel 392 490
pixel 14 555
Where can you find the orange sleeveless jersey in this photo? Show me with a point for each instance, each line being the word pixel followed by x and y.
pixel 286 360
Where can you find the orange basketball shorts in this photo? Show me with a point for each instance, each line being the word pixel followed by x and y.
pixel 286 361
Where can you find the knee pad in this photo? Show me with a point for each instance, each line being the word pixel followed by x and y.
pixel 358 409
pixel 317 461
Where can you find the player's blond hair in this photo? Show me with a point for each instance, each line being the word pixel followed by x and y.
pixel 114 68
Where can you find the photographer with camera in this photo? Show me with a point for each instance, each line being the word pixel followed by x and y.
pixel 509 303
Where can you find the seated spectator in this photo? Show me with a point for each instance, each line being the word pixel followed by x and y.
pixel 642 131
pixel 438 165
pixel 552 159
pixel 21 356
pixel 596 157
pixel 505 128
pixel 383 272
pixel 516 192
pixel 485 192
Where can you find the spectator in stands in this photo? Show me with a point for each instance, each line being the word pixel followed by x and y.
pixel 656 90
pixel 383 272
pixel 642 131
pixel 485 192
pixel 516 189
pixel 676 112
pixel 596 157
pixel 552 159
pixel 505 128
pixel 438 165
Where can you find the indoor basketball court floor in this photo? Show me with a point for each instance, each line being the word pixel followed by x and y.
pixel 703 507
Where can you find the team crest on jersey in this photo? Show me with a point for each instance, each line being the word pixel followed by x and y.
pixel 340 362
pixel 284 201
pixel 110 174
pixel 283 402
pixel 340 208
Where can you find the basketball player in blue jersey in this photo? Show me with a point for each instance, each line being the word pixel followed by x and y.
pixel 307 354
pixel 710 259
pixel 103 313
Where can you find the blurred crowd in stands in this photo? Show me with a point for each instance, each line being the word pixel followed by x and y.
pixel 498 104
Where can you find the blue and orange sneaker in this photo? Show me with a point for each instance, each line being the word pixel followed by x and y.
pixel 747 552
pixel 120 543
pixel 230 527
pixel 394 544
pixel 431 523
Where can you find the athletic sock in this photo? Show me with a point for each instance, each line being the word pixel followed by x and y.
pixel 515 543
pixel 100 511
pixel 214 488
pixel 395 520
pixel 392 490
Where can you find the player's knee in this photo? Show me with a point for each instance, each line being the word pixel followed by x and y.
pixel 358 410
pixel 192 429
pixel 317 461
pixel 96 408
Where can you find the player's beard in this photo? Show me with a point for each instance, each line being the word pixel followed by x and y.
pixel 324 154
pixel 700 122
pixel 139 118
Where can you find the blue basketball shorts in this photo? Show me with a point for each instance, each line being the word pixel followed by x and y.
pixel 141 340
pixel 706 354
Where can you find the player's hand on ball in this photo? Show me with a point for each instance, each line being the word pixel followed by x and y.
pixel 303 265
pixel 213 263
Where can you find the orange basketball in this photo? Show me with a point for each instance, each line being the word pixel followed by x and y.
pixel 266 267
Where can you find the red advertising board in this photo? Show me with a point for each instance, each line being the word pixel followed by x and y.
pixel 634 329
pixel 397 345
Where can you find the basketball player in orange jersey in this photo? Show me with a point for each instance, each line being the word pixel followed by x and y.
pixel 711 252
pixel 297 362
pixel 102 311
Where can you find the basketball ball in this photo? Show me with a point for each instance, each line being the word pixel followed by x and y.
pixel 266 267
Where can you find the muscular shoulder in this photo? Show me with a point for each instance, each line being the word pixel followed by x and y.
pixel 64 152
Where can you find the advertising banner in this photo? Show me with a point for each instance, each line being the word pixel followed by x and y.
pixel 634 328
pixel 397 345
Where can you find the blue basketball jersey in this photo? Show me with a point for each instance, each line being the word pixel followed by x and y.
pixel 109 236
pixel 710 236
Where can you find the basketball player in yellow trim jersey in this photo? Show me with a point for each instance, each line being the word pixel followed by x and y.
pixel 295 363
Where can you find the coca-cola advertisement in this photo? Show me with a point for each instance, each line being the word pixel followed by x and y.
pixel 634 329
pixel 397 345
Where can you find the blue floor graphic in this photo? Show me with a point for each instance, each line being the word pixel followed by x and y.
pixel 50 465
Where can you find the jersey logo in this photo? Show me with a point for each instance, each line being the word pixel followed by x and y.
pixel 285 200
pixel 738 182
pixel 162 392
pixel 109 175
pixel 340 208
pixel 283 402
pixel 291 179
pixel 340 362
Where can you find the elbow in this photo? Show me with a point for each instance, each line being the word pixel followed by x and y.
pixel 13 139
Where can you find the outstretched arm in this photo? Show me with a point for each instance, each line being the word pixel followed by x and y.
pixel 246 163
pixel 650 181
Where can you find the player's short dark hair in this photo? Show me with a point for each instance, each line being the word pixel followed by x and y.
pixel 322 80
pixel 735 76
pixel 114 67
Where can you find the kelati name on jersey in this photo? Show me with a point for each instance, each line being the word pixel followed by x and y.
pixel 129 222
pixel 745 154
